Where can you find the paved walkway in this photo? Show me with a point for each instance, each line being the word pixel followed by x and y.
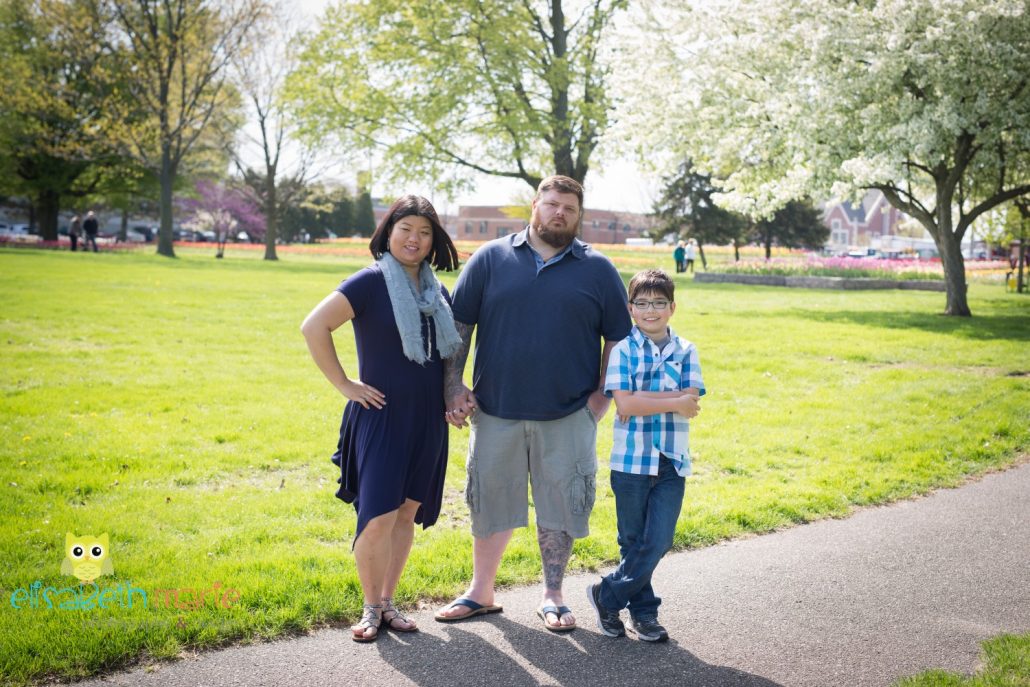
pixel 859 602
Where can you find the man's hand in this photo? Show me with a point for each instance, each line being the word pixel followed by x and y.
pixel 598 404
pixel 460 407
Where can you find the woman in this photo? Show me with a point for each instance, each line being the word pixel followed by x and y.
pixel 679 255
pixel 393 439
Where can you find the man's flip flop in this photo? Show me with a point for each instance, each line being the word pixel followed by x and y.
pixel 558 611
pixel 475 609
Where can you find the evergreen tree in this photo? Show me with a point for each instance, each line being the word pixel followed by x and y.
pixel 364 217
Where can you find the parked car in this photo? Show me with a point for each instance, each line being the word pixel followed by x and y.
pixel 14 230
pixel 149 233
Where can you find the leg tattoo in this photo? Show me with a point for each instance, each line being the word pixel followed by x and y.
pixel 555 549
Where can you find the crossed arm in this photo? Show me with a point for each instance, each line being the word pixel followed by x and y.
pixel 685 402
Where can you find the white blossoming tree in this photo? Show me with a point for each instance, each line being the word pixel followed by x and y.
pixel 925 100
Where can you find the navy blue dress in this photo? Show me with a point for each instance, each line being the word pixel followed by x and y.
pixel 399 452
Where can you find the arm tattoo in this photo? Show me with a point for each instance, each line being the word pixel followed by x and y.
pixel 555 549
pixel 454 367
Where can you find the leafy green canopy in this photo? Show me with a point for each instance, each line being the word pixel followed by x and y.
pixel 446 88
pixel 926 100
pixel 53 143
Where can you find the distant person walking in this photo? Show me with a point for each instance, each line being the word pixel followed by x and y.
pixel 690 252
pixel 75 231
pixel 680 256
pixel 92 228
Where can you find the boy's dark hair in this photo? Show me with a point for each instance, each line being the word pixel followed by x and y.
pixel 443 255
pixel 654 281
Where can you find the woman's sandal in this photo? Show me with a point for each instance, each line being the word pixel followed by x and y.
pixel 371 618
pixel 397 616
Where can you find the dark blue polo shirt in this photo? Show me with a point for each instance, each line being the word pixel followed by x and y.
pixel 538 329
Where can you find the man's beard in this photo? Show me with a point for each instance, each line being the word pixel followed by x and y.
pixel 556 237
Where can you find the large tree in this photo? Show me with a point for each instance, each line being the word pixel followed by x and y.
pixel 447 88
pixel 685 209
pixel 798 224
pixel 364 214
pixel 174 54
pixel 262 76
pixel 925 100
pixel 55 89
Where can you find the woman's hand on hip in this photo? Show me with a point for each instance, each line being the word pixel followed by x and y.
pixel 362 393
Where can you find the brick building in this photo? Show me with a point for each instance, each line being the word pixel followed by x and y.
pixel 485 222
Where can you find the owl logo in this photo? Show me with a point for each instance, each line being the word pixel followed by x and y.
pixel 87 557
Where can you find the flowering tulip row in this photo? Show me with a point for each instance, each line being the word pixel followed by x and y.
pixel 873 268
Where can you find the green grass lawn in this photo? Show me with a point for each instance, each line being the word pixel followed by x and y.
pixel 173 405
pixel 1005 662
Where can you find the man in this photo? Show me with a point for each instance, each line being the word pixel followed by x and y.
pixel 91 227
pixel 543 302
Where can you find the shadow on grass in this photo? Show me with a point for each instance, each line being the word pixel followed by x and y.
pixel 581 657
pixel 1014 326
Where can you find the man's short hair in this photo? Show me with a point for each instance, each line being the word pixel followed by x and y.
pixel 561 184
pixel 652 281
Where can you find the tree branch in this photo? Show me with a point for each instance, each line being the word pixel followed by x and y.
pixel 988 204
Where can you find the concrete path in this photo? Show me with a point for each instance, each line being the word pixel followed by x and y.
pixel 859 602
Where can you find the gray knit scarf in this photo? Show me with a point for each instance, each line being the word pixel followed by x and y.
pixel 408 303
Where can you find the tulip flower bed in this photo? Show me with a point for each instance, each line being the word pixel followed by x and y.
pixel 859 268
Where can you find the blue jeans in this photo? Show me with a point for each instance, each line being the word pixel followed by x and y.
pixel 647 508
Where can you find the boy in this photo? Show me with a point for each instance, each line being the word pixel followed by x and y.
pixel 655 378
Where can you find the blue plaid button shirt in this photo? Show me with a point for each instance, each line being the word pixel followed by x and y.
pixel 637 364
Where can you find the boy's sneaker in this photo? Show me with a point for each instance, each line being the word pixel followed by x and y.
pixel 648 630
pixel 606 620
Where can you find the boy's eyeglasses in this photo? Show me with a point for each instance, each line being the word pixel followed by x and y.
pixel 657 305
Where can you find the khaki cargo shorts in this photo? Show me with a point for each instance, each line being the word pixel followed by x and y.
pixel 559 459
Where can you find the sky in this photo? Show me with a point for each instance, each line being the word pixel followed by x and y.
pixel 618 186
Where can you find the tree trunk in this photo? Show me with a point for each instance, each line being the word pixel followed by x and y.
pixel 701 254
pixel 49 203
pixel 1020 281
pixel 949 244
pixel 767 242
pixel 1024 214
pixel 164 240
pixel 736 250
pixel 561 135
pixel 271 216
pixel 123 230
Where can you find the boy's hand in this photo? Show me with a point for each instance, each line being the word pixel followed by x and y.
pixel 688 405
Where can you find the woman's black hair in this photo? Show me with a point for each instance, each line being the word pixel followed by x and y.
pixel 443 255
